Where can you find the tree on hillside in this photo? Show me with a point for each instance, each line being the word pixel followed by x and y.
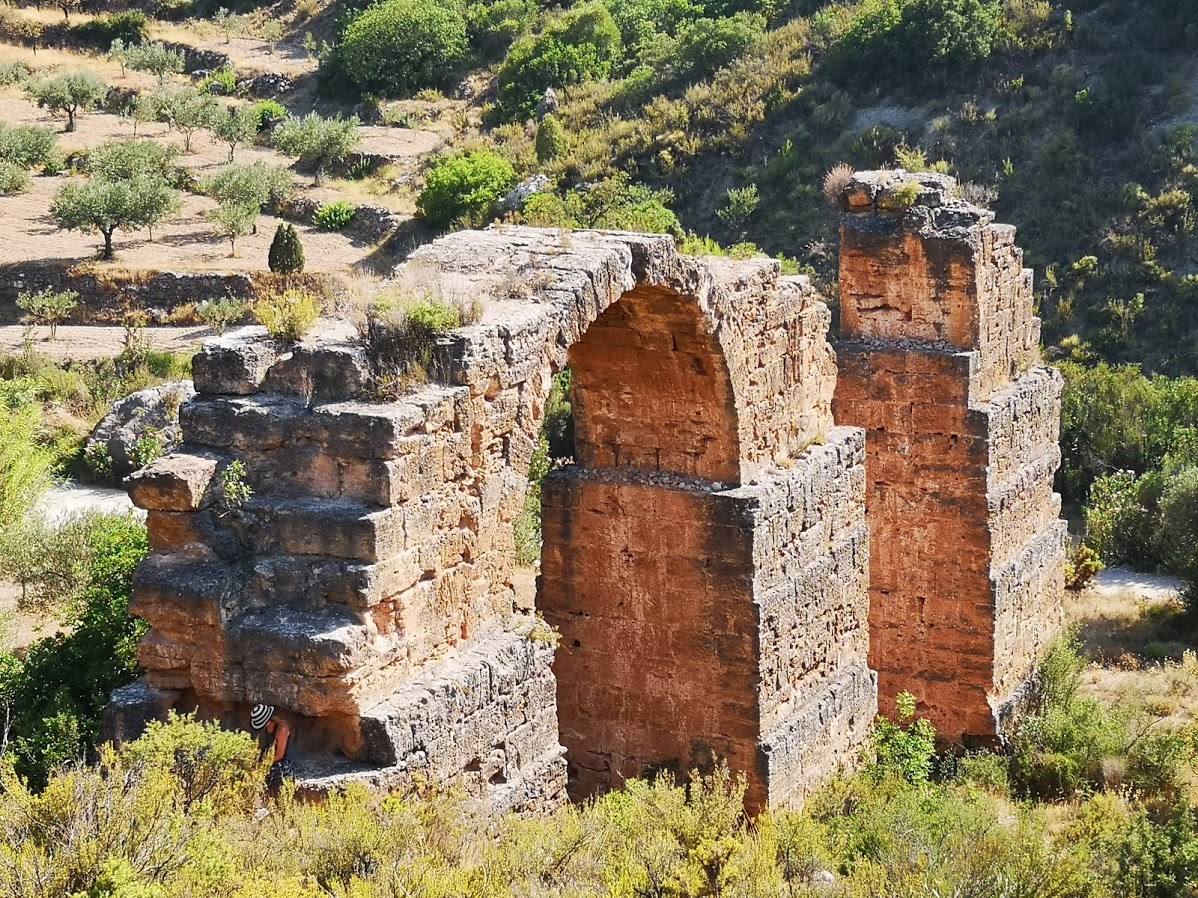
pixel 236 125
pixel 186 110
pixel 256 184
pixel 317 141
pixel 286 255
pixel 232 220
pixel 105 206
pixel 399 46
pixel 155 59
pixel 119 53
pixel 70 92
pixel 68 6
pixel 124 160
pixel 48 306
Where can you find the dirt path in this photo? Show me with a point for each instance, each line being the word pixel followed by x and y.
pixel 81 343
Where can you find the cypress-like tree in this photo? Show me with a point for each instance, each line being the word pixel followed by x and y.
pixel 286 252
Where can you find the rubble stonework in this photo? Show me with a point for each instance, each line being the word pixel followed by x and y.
pixel 705 557
pixel 938 361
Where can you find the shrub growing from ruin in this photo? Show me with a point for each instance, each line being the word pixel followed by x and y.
pixel 400 46
pixel 464 188
pixel 289 314
pixel 318 142
pixel 286 254
pixel 70 93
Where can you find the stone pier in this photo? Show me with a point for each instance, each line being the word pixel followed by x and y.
pixel 939 363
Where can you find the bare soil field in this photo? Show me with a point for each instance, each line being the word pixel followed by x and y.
pixel 84 343
pixel 188 242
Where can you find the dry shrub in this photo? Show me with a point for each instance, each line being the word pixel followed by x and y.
pixel 836 180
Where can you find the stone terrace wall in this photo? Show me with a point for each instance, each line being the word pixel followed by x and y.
pixel 368 588
pixel 938 363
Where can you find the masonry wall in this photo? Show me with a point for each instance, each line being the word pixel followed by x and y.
pixel 651 585
pixel 938 362
pixel 368 588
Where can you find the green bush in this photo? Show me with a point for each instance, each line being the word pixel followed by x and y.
pixel 552 140
pixel 124 160
pixel 221 83
pixel 463 188
pixel 26 464
pixel 220 313
pixel 253 184
pixel 155 58
pixel 400 46
pixel 286 255
pixel 492 25
pixel 907 747
pixel 29 146
pixel 48 307
pixel 317 141
pixel 642 22
pixel 706 45
pixel 57 692
pixel 13 178
pixel 913 36
pixel 288 315
pixel 130 26
pixel 335 216
pixel 1082 566
pixel 614 203
pixel 579 45
pixel 269 113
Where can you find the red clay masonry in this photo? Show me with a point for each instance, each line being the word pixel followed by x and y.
pixel 706 560
pixel 939 362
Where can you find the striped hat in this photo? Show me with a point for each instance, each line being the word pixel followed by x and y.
pixel 261 715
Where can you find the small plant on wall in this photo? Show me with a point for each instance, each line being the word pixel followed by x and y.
pixel 289 314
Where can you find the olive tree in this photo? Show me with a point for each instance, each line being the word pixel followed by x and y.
pixel 70 92
pixel 186 110
pixel 105 206
pixel 155 58
pixel 317 141
pixel 235 126
pixel 48 306
pixel 233 220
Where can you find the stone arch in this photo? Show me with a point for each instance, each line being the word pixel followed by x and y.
pixel 368 589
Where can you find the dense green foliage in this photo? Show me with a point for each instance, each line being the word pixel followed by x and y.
pixel 317 141
pixel 613 203
pixel 399 46
pixel 552 140
pixel 68 92
pixel 29 146
pixel 582 43
pixel 56 693
pixel 190 818
pixel 105 206
pixel 129 26
pixel 464 188
pixel 286 254
pixel 334 216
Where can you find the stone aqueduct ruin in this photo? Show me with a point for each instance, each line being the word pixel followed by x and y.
pixel 753 524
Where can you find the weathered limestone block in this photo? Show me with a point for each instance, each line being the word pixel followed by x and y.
pixel 938 364
pixel 178 482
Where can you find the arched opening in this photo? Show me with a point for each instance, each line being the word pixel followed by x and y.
pixel 646 567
